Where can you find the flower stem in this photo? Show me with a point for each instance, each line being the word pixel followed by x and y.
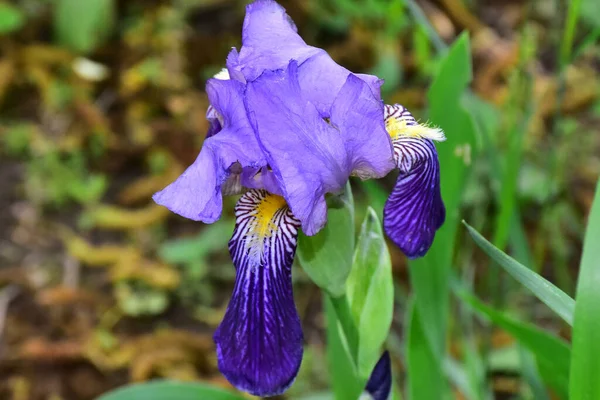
pixel 342 309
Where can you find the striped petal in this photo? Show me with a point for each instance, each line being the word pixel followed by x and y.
pixel 259 342
pixel 379 386
pixel 415 210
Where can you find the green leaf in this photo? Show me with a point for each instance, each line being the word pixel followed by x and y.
pixel 162 390
pixel 544 290
pixel 370 293
pixel 327 256
pixel 422 363
pixel 11 18
pixel 83 25
pixel 531 374
pixel 552 353
pixel 585 375
pixel 566 45
pixel 430 275
pixel 344 380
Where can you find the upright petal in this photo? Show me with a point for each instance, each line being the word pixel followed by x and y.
pixel 306 154
pixel 197 194
pixel 269 41
pixel 259 342
pixel 321 79
pixel 379 386
pixel 415 210
pixel 359 117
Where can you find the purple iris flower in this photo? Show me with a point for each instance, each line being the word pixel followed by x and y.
pixel 287 126
pixel 415 210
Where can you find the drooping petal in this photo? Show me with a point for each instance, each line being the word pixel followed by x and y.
pixel 197 193
pixel 306 154
pixel 415 210
pixel 379 386
pixel 259 342
pixel 359 117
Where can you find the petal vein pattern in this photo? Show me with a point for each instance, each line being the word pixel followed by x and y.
pixel 415 209
pixel 259 342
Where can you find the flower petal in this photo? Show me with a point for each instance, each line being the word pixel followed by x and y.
pixel 214 125
pixel 197 193
pixel 379 386
pixel 269 41
pixel 321 79
pixel 359 117
pixel 259 342
pixel 306 154
pixel 415 210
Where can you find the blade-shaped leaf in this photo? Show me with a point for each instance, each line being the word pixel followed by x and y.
pixel 543 289
pixel 552 353
pixel 343 379
pixel 422 364
pixel 585 375
pixel 370 292
pixel 327 256
pixel 430 275
pixel 162 390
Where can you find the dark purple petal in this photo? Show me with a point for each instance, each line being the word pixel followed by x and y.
pixel 415 210
pixel 379 386
pixel 259 342
pixel 197 193
pixel 359 117
pixel 306 154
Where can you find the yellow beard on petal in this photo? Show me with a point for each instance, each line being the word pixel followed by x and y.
pixel 398 127
pixel 263 225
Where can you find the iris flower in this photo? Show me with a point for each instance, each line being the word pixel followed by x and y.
pixel 288 126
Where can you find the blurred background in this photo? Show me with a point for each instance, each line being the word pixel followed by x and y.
pixel 102 103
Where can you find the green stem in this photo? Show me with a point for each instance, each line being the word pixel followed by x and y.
pixel 342 309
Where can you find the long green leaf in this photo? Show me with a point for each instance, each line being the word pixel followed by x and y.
pixel 420 357
pixel 544 290
pixel 552 353
pixel 163 390
pixel 585 375
pixel 343 379
pixel 370 293
pixel 430 275
pixel 566 45
pixel 327 256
